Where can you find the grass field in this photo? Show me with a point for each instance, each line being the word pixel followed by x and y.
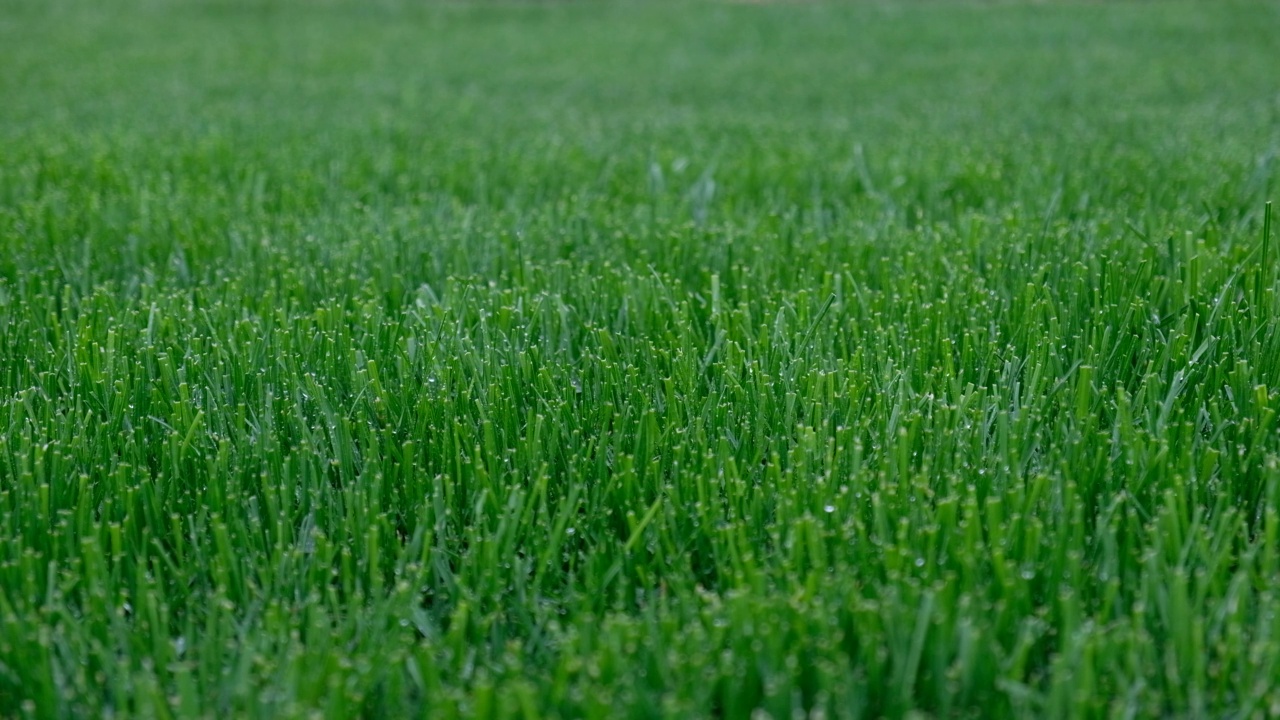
pixel 868 359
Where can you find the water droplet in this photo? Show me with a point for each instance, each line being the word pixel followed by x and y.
pixel 829 508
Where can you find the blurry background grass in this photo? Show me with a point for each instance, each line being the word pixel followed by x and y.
pixel 634 359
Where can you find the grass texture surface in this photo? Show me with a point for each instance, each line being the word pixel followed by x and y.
pixel 608 360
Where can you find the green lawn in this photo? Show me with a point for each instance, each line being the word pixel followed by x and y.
pixel 625 359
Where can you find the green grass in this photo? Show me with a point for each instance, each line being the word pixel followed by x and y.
pixel 627 360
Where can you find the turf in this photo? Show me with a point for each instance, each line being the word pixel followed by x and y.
pixel 638 359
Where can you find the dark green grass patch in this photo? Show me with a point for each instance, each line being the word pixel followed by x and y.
pixel 630 360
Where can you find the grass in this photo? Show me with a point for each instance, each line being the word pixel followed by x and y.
pixel 628 360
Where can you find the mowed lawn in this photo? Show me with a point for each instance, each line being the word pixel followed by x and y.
pixel 639 359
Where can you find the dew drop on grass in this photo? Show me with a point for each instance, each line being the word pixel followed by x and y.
pixel 829 508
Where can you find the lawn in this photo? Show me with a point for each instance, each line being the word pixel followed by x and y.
pixel 639 359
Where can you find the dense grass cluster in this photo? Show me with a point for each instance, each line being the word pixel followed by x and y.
pixel 627 360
